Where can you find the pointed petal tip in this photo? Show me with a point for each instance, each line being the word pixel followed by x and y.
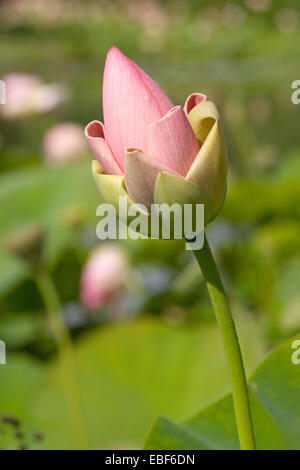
pixel 113 49
pixel 115 54
pixel 175 109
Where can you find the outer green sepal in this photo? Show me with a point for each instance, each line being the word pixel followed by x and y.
pixel 172 189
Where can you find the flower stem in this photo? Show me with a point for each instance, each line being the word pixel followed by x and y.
pixel 66 355
pixel 231 344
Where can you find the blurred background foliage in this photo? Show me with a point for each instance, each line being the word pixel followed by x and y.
pixel 153 348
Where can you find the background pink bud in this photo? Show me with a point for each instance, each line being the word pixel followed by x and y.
pixel 102 276
pixel 26 94
pixel 64 142
pixel 20 88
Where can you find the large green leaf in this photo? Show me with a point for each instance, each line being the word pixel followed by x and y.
pixel 130 373
pixel 274 396
pixel 48 196
pixel 20 380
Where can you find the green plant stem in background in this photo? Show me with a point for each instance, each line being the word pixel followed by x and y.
pixel 231 343
pixel 66 355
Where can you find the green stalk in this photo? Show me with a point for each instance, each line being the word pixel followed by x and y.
pixel 66 355
pixel 231 344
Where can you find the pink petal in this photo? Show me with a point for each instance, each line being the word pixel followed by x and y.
pixel 131 102
pixel 95 135
pixel 192 101
pixel 140 176
pixel 172 141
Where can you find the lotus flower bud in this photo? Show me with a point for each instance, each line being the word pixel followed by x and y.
pixel 64 142
pixel 26 94
pixel 151 151
pixel 102 276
